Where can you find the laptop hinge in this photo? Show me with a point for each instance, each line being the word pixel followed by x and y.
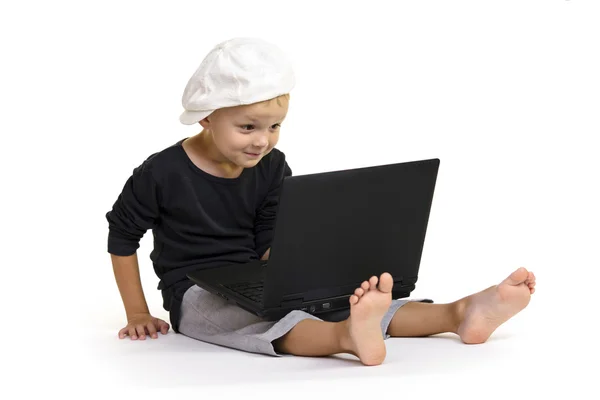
pixel 292 302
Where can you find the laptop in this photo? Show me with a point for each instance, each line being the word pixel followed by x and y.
pixel 333 231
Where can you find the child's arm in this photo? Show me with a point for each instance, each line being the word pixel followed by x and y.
pixel 265 218
pixel 139 321
pixel 136 210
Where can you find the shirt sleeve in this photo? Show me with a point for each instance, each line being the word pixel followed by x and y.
pixel 265 218
pixel 135 212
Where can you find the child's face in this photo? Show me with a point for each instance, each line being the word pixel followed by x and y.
pixel 245 134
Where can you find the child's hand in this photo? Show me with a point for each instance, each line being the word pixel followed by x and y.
pixel 142 325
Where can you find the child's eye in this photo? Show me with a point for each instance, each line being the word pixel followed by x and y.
pixel 251 127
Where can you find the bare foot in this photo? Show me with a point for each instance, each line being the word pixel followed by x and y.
pixel 482 313
pixel 368 305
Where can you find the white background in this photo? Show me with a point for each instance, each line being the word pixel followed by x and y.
pixel 505 93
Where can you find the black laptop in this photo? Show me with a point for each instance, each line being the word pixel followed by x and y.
pixel 333 231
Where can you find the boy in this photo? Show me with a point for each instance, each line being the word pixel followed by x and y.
pixel 210 200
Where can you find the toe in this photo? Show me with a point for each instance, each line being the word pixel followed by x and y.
pixel 386 282
pixel 353 300
pixel 373 282
pixel 359 292
pixel 517 277
pixel 365 286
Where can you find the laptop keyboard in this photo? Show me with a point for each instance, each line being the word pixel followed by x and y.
pixel 250 290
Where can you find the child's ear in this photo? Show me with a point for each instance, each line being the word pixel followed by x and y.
pixel 205 123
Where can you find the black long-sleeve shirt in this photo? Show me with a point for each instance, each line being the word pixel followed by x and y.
pixel 198 220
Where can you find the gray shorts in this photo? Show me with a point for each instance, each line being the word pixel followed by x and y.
pixel 212 319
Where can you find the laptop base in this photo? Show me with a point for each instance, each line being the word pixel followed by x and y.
pixel 220 281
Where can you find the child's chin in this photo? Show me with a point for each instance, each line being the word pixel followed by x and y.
pixel 250 162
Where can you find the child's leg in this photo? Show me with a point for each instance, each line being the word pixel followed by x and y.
pixel 360 334
pixel 313 338
pixel 473 318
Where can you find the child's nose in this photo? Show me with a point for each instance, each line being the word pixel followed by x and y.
pixel 262 140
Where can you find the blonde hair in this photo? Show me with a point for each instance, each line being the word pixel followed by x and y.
pixel 278 99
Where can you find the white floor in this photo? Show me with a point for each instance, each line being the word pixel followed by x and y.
pixel 538 353
pixel 60 338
